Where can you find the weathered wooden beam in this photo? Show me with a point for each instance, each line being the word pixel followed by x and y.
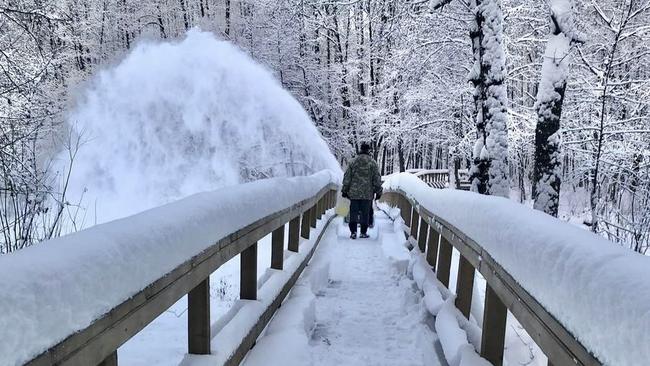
pixel 422 235
pixel 464 286
pixel 432 247
pixel 198 319
pixel 444 262
pixel 248 273
pixel 277 248
pixel 111 360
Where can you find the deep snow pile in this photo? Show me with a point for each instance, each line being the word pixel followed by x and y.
pixel 598 290
pixel 177 118
pixel 98 268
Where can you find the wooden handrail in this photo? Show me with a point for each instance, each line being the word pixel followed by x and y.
pixel 97 344
pixel 503 291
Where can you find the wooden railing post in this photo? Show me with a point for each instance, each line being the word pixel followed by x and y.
pixel 319 209
pixel 464 286
pixel 294 234
pixel 304 227
pixel 277 248
pixel 248 273
pixel 422 235
pixel 312 215
pixel 111 360
pixel 444 261
pixel 198 319
pixel 432 247
pixel 494 327
pixel 415 218
pixel 408 209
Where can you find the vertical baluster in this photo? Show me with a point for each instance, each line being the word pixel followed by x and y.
pixel 407 211
pixel 494 328
pixel 313 213
pixel 464 286
pixel 432 247
pixel 277 248
pixel 198 319
pixel 422 235
pixel 444 261
pixel 294 234
pixel 415 218
pixel 248 273
pixel 304 229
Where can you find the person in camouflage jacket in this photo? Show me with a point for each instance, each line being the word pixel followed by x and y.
pixel 361 183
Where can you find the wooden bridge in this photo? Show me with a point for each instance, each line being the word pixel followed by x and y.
pixel 430 234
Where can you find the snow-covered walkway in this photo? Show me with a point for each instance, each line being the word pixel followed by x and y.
pixel 354 305
pixel 369 313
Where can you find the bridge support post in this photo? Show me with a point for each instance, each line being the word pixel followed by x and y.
pixel 494 328
pixel 422 235
pixel 304 227
pixel 415 218
pixel 277 248
pixel 198 319
pixel 248 273
pixel 444 261
pixel 464 286
pixel 294 234
pixel 432 247
pixel 111 360
pixel 312 215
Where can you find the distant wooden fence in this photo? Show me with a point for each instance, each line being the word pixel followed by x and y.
pixel 436 238
pixel 98 343
pixel 440 179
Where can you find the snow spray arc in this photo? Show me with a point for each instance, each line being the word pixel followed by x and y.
pixel 177 118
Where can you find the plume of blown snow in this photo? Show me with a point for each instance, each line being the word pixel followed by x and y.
pixel 177 118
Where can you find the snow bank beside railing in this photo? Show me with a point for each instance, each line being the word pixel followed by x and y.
pixel 56 288
pixel 598 290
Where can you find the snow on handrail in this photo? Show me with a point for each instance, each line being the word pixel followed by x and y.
pixel 587 298
pixel 60 300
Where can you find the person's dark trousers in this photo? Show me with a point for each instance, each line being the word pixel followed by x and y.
pixel 359 212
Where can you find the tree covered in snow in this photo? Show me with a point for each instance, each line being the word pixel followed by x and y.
pixel 547 173
pixel 390 72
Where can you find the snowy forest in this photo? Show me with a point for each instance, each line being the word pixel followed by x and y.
pixel 546 102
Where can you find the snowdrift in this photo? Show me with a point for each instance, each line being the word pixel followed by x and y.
pixel 596 289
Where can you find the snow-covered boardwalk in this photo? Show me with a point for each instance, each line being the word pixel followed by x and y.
pixel 364 316
pixel 386 300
